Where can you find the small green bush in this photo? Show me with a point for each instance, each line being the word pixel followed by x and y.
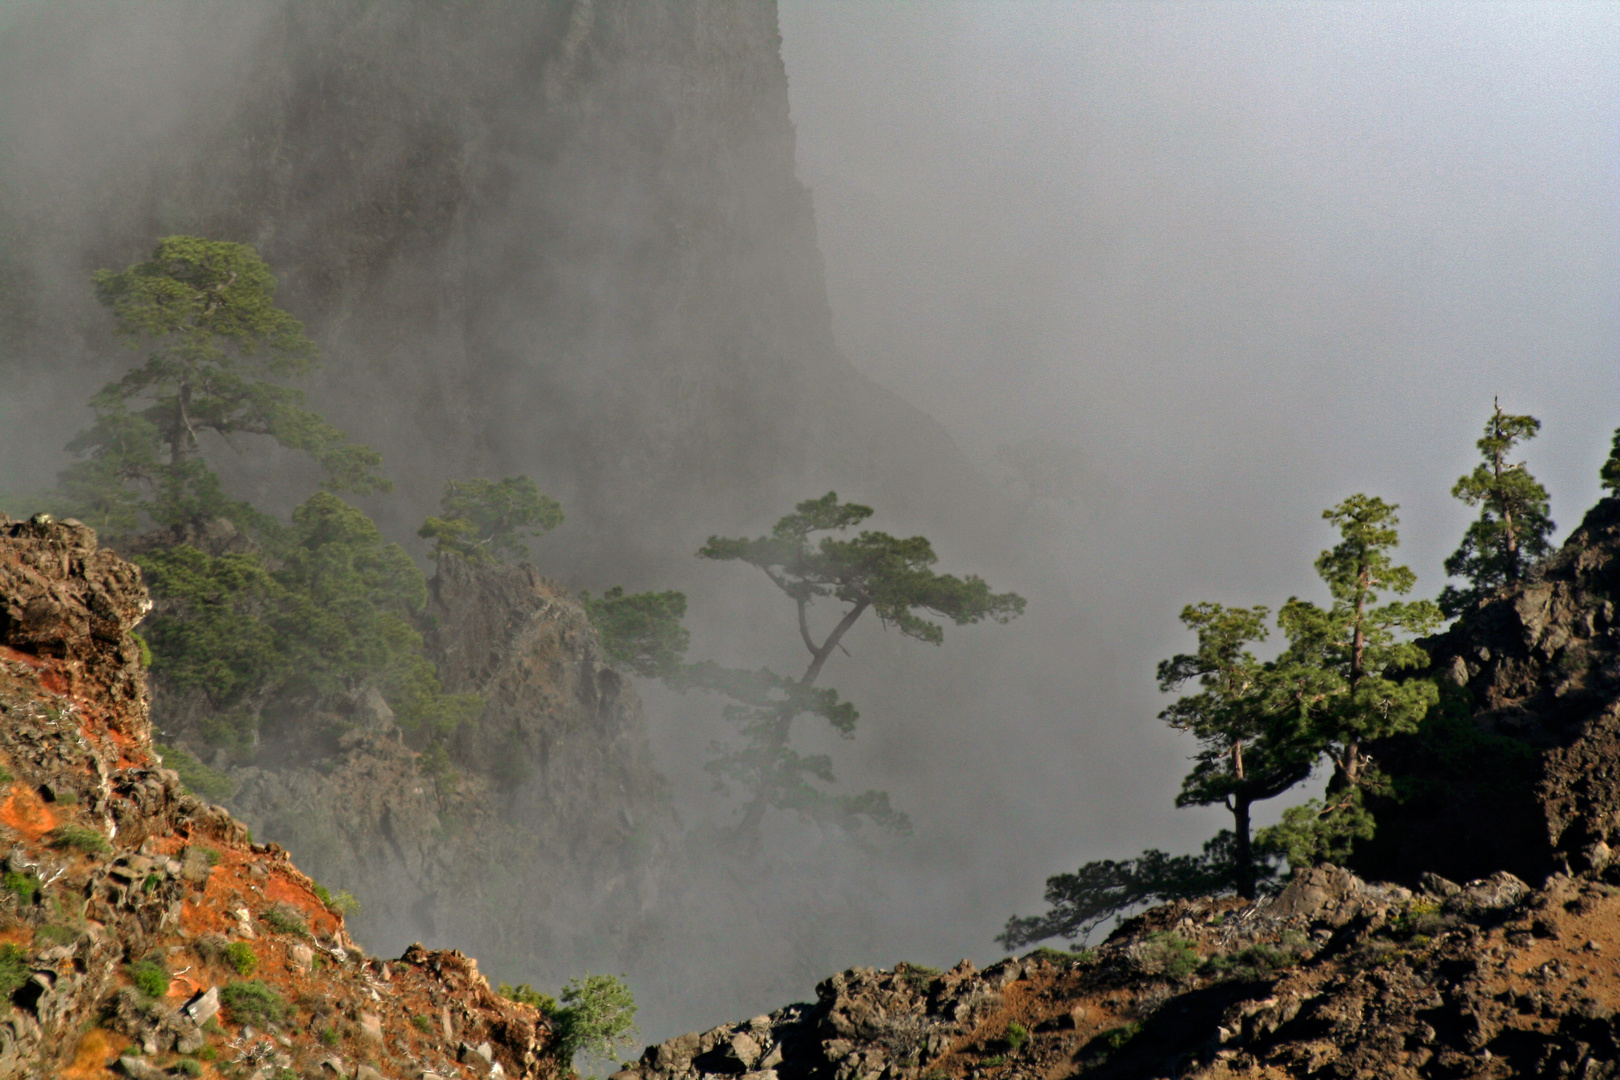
pixel 918 976
pixel 56 934
pixel 208 1053
pixel 196 777
pixel 188 1067
pixel 341 902
pixel 79 838
pixel 254 1002
pixel 285 919
pixel 1258 961
pixel 14 971
pixel 424 1024
pixel 149 977
pixel 152 881
pixel 1017 1035
pixel 1116 1038
pixel 1169 955
pixel 24 886
pixel 214 857
pixel 524 994
pixel 240 955
pixel 329 1037
pixel 597 1016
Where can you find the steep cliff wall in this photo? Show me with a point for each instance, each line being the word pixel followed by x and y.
pixel 562 237
pixel 1519 769
pixel 132 913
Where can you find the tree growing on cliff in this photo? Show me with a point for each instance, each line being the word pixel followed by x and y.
pixel 873 571
pixel 1512 530
pixel 1345 674
pixel 1249 749
pixel 484 521
pixel 216 344
pixel 641 631
pixel 1609 474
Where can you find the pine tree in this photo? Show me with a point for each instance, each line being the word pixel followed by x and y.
pixel 481 520
pixel 1609 475
pixel 1342 673
pixel 1249 749
pixel 216 342
pixel 1512 529
pixel 871 572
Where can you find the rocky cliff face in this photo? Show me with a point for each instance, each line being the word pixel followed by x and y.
pixel 553 825
pixel 562 237
pixel 1519 769
pixel 140 929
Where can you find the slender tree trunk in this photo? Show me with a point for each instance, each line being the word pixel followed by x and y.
pixel 1244 855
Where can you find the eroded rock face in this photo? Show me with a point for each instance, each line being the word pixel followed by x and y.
pixel 554 824
pixel 114 872
pixel 1521 771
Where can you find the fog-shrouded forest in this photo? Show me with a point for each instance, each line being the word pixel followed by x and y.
pixel 1108 302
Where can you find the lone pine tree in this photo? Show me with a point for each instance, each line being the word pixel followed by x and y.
pixel 204 312
pixel 1512 530
pixel 808 562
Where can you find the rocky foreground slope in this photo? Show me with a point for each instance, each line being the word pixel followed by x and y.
pixel 141 930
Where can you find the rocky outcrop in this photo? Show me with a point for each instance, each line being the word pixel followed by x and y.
pixel 1519 767
pixel 1335 977
pixel 551 824
pixel 140 928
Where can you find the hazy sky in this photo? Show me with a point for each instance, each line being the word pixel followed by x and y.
pixel 1250 256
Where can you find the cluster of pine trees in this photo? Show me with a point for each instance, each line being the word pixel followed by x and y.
pixel 1351 673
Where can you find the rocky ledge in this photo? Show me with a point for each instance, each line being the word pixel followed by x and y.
pixel 141 929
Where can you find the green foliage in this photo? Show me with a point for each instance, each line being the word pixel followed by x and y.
pixel 596 1017
pixel 1116 1038
pixel 329 1037
pixel 918 976
pixel 334 613
pixel 14 971
pixel 342 902
pixel 424 1024
pixel 1609 474
pixel 55 934
pixel 873 571
pixel 1317 832
pixel 524 994
pixel 1016 1036
pixel 1258 961
pixel 285 919
pixel 1512 529
pixel 1249 749
pixel 197 778
pixel 1098 891
pixel 25 887
pixel 79 838
pixel 481 520
pixel 240 955
pixel 190 1067
pixel 254 1002
pixel 149 977
pixel 641 631
pixel 1169 955
pixel 1345 672
pixel 204 311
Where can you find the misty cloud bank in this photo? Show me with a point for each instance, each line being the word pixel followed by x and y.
pixel 1243 260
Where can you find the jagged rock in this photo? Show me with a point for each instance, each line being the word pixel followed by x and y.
pixel 172 873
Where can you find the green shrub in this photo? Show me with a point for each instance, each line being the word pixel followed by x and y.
pixel 56 934
pixel 1115 1038
pixel 1017 1035
pixel 524 994
pixel 918 976
pixel 5 775
pixel 188 1067
pixel 424 1024
pixel 151 882
pixel 254 1002
pixel 207 1053
pixel 342 902
pixel 79 838
pixel 240 955
pixel 597 1016
pixel 1169 955
pixel 1050 955
pixel 24 886
pixel 285 919
pixel 214 857
pixel 196 777
pixel 14 971
pixel 329 1036
pixel 1258 961
pixel 149 977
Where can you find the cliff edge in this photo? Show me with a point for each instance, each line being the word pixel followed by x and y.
pixel 141 929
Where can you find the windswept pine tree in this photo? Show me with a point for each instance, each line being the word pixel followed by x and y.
pixel 1511 533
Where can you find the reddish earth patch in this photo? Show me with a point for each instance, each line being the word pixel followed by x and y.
pixel 25 811
pixel 96 1052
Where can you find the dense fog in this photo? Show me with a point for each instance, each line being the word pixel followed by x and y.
pixel 1227 262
